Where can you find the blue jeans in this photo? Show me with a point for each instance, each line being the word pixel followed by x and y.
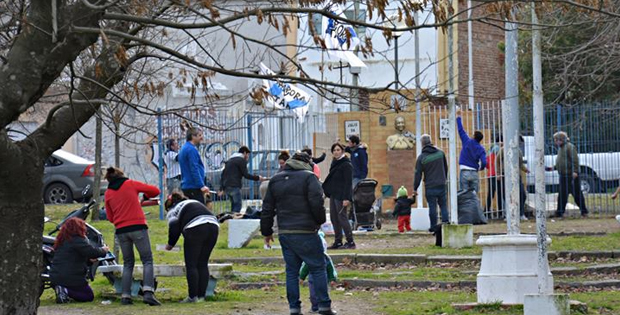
pixel 437 195
pixel 143 244
pixel 308 248
pixel 234 194
pixel 469 180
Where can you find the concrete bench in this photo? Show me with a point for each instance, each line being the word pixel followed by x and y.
pixel 216 271
pixel 240 232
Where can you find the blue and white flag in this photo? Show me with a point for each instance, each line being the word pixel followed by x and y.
pixel 337 42
pixel 285 96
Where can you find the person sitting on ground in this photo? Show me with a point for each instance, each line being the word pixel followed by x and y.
pixel 332 275
pixel 200 228
pixel 402 210
pixel 69 268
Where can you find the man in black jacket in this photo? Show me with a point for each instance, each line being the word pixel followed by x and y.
pixel 296 197
pixel 235 170
pixel 432 163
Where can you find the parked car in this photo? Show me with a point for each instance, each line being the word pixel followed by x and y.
pixel 65 177
pixel 596 169
pixel 263 163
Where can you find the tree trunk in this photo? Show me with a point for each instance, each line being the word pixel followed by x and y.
pixel 97 185
pixel 21 227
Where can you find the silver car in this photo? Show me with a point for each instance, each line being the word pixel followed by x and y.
pixel 65 177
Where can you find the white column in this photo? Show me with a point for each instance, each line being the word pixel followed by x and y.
pixel 510 117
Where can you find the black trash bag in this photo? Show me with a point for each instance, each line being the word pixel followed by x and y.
pixel 470 210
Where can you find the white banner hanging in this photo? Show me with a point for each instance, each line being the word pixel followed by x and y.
pixel 285 96
pixel 340 37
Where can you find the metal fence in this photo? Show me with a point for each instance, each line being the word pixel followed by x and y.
pixel 265 134
pixel 594 130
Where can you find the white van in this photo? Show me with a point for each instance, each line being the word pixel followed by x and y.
pixel 595 169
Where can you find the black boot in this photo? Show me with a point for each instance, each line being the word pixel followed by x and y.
pixel 126 301
pixel 62 295
pixel 149 298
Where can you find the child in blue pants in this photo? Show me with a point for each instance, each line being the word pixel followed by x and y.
pixel 332 275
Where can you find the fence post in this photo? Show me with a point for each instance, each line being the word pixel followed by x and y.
pixel 559 117
pixel 249 121
pixel 160 144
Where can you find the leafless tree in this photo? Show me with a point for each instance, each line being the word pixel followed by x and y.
pixel 78 55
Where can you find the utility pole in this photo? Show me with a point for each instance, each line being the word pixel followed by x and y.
pixel 510 117
pixel 539 158
pixel 355 71
pixel 454 216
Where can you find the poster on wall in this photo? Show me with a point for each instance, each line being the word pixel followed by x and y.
pixel 352 127
pixel 444 128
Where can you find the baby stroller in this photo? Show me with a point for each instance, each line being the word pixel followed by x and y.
pixel 364 212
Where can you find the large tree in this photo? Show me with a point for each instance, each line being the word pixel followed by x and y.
pixel 87 50
pixel 88 47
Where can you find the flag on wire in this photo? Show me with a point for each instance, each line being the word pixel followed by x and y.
pixel 285 96
pixel 337 42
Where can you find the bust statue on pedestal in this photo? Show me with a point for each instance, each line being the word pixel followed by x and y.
pixel 402 140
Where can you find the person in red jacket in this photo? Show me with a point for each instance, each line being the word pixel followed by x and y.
pixel 123 209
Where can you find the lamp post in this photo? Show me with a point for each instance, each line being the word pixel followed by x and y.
pixel 395 22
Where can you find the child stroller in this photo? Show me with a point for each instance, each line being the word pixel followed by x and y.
pixel 364 212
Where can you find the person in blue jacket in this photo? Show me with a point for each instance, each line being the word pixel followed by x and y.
pixel 192 168
pixel 473 157
pixel 359 159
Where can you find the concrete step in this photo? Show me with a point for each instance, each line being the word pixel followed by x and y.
pixel 215 270
pixel 415 258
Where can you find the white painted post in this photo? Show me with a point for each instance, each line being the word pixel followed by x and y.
pixel 510 117
pixel 539 159
pixel 454 216
pixel 470 57
pixel 418 106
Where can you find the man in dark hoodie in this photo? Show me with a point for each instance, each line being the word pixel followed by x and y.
pixel 433 164
pixel 359 159
pixel 296 197
pixel 235 170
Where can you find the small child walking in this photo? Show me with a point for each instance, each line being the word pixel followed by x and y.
pixel 332 275
pixel 402 210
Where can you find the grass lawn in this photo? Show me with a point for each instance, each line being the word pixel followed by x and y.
pixel 369 243
pixel 358 302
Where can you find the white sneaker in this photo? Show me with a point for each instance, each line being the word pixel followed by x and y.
pixel 524 218
pixel 618 218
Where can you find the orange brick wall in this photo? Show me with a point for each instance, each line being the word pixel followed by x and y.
pixel 374 136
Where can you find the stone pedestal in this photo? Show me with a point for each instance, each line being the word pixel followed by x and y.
pixel 457 235
pixel 508 270
pixel 401 169
pixel 420 220
pixel 548 304
pixel 240 232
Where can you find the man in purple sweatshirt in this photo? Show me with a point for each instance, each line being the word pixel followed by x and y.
pixel 472 159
